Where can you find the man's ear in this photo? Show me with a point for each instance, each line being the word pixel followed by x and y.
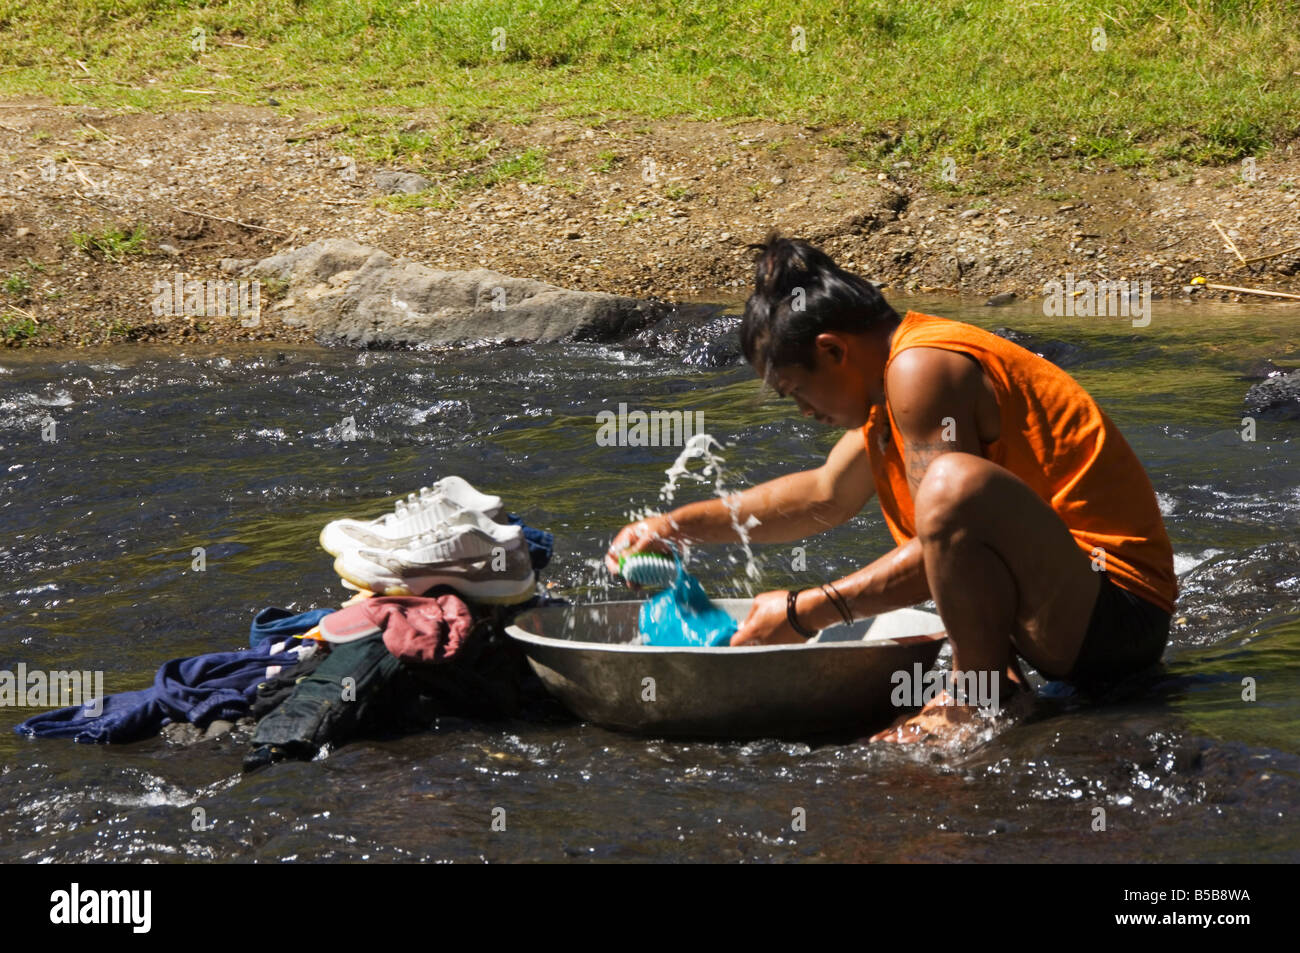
pixel 832 345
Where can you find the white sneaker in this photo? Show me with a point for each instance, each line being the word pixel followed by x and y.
pixel 483 560
pixel 427 510
pixel 460 494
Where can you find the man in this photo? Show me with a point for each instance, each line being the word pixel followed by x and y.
pixel 1015 503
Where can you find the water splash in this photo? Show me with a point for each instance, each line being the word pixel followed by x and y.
pixel 704 447
pixel 697 446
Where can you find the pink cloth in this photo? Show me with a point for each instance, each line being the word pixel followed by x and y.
pixel 418 629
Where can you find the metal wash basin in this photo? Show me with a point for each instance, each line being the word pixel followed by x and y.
pixel 588 658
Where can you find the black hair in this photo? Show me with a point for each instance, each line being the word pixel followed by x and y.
pixel 799 293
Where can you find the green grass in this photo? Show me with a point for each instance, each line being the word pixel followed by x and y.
pixel 273 287
pixel 456 141
pixel 1187 80
pixel 527 166
pixel 607 162
pixel 112 243
pixel 16 285
pixel 17 328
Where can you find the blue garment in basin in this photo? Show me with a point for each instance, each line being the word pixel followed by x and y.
pixel 683 615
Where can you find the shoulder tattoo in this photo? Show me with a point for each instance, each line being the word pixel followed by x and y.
pixel 918 454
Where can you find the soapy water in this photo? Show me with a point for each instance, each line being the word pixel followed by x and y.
pixel 698 446
pixel 704 447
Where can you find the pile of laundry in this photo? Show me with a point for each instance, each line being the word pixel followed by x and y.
pixel 435 582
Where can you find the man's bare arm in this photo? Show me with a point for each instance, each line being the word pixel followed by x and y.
pixel 789 507
pixel 933 395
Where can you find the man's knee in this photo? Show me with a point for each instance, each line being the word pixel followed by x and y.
pixel 948 497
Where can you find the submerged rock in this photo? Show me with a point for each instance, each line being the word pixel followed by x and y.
pixel 184 733
pixel 1060 353
pixel 1262 368
pixel 1276 397
pixel 359 295
pixel 698 335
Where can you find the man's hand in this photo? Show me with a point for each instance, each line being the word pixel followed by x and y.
pixel 766 623
pixel 650 535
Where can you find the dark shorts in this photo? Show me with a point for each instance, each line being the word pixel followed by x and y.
pixel 1125 636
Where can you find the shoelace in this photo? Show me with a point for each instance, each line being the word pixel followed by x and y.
pixel 419 509
pixel 462 521
pixel 438 534
pixel 415 508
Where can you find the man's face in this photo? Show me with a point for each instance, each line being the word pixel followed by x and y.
pixel 837 391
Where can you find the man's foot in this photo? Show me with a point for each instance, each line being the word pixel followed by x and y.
pixel 939 722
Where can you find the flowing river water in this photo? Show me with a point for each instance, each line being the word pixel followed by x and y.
pixel 247 452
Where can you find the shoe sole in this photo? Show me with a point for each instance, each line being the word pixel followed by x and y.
pixel 495 593
pixel 328 549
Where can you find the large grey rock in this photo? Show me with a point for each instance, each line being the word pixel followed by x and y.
pixel 357 294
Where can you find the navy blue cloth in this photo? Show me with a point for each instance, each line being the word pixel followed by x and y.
pixel 198 690
pixel 540 543
pixel 276 623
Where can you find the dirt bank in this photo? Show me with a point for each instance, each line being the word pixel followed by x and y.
pixel 650 209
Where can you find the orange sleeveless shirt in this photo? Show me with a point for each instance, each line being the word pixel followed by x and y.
pixel 1055 438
